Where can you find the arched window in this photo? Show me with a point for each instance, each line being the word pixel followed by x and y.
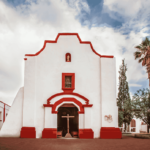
pixel 133 125
pixel 68 57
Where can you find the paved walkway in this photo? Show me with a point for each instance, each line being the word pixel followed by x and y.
pixel 126 143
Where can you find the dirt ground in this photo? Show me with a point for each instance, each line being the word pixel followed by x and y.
pixel 126 143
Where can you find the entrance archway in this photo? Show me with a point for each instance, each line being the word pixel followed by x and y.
pixel 133 125
pixel 63 110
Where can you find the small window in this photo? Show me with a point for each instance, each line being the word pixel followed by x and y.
pixel 68 81
pixel 68 57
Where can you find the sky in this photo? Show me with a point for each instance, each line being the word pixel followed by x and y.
pixel 114 27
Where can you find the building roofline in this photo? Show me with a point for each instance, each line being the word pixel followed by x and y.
pixel 4 103
pixel 66 34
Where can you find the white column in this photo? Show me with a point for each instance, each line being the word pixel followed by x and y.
pixel 87 117
pixel 53 121
pixel 81 121
pixel 50 119
pixel 29 103
pixel 129 128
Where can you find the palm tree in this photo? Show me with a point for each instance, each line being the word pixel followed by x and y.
pixel 143 53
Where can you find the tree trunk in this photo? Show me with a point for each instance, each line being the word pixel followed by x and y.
pixel 148 128
pixel 125 127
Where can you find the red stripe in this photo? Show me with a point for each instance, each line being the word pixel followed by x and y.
pixel 4 114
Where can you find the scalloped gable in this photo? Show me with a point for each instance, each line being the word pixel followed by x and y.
pixel 67 34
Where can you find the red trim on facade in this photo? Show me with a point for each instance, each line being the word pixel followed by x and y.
pixel 5 103
pixel 67 100
pixel 110 133
pixel 68 90
pixel 89 105
pixel 86 134
pixel 28 132
pixel 81 42
pixel 49 133
pixel 69 57
pixel 4 110
pixel 65 93
pixel 4 114
pixel 25 58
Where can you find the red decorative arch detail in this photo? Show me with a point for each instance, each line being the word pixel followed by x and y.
pixel 75 94
pixel 67 100
pixel 81 42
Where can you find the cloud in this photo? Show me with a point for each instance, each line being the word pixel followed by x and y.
pixel 135 85
pixel 128 9
pixel 79 5
pixel 134 14
pixel 24 28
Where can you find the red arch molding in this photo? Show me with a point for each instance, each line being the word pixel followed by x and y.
pixel 81 42
pixel 64 93
pixel 67 100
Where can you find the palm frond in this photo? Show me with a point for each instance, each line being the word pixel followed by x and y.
pixel 137 54
pixel 141 48
pixel 146 42
pixel 140 60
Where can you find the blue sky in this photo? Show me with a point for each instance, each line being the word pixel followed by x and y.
pixel 114 27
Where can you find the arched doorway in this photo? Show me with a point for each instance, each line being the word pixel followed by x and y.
pixel 133 125
pixel 63 110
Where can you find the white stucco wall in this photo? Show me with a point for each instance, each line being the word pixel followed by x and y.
pixel 138 125
pixel 143 128
pixel 50 119
pixel 108 92
pixel 1 105
pixel 13 122
pixel 29 103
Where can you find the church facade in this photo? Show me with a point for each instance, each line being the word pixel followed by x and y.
pixel 67 77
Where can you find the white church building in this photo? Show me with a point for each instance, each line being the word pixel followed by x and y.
pixel 69 89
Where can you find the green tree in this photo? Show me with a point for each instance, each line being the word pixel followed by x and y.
pixel 124 100
pixel 141 106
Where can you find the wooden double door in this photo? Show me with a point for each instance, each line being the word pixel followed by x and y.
pixel 64 110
